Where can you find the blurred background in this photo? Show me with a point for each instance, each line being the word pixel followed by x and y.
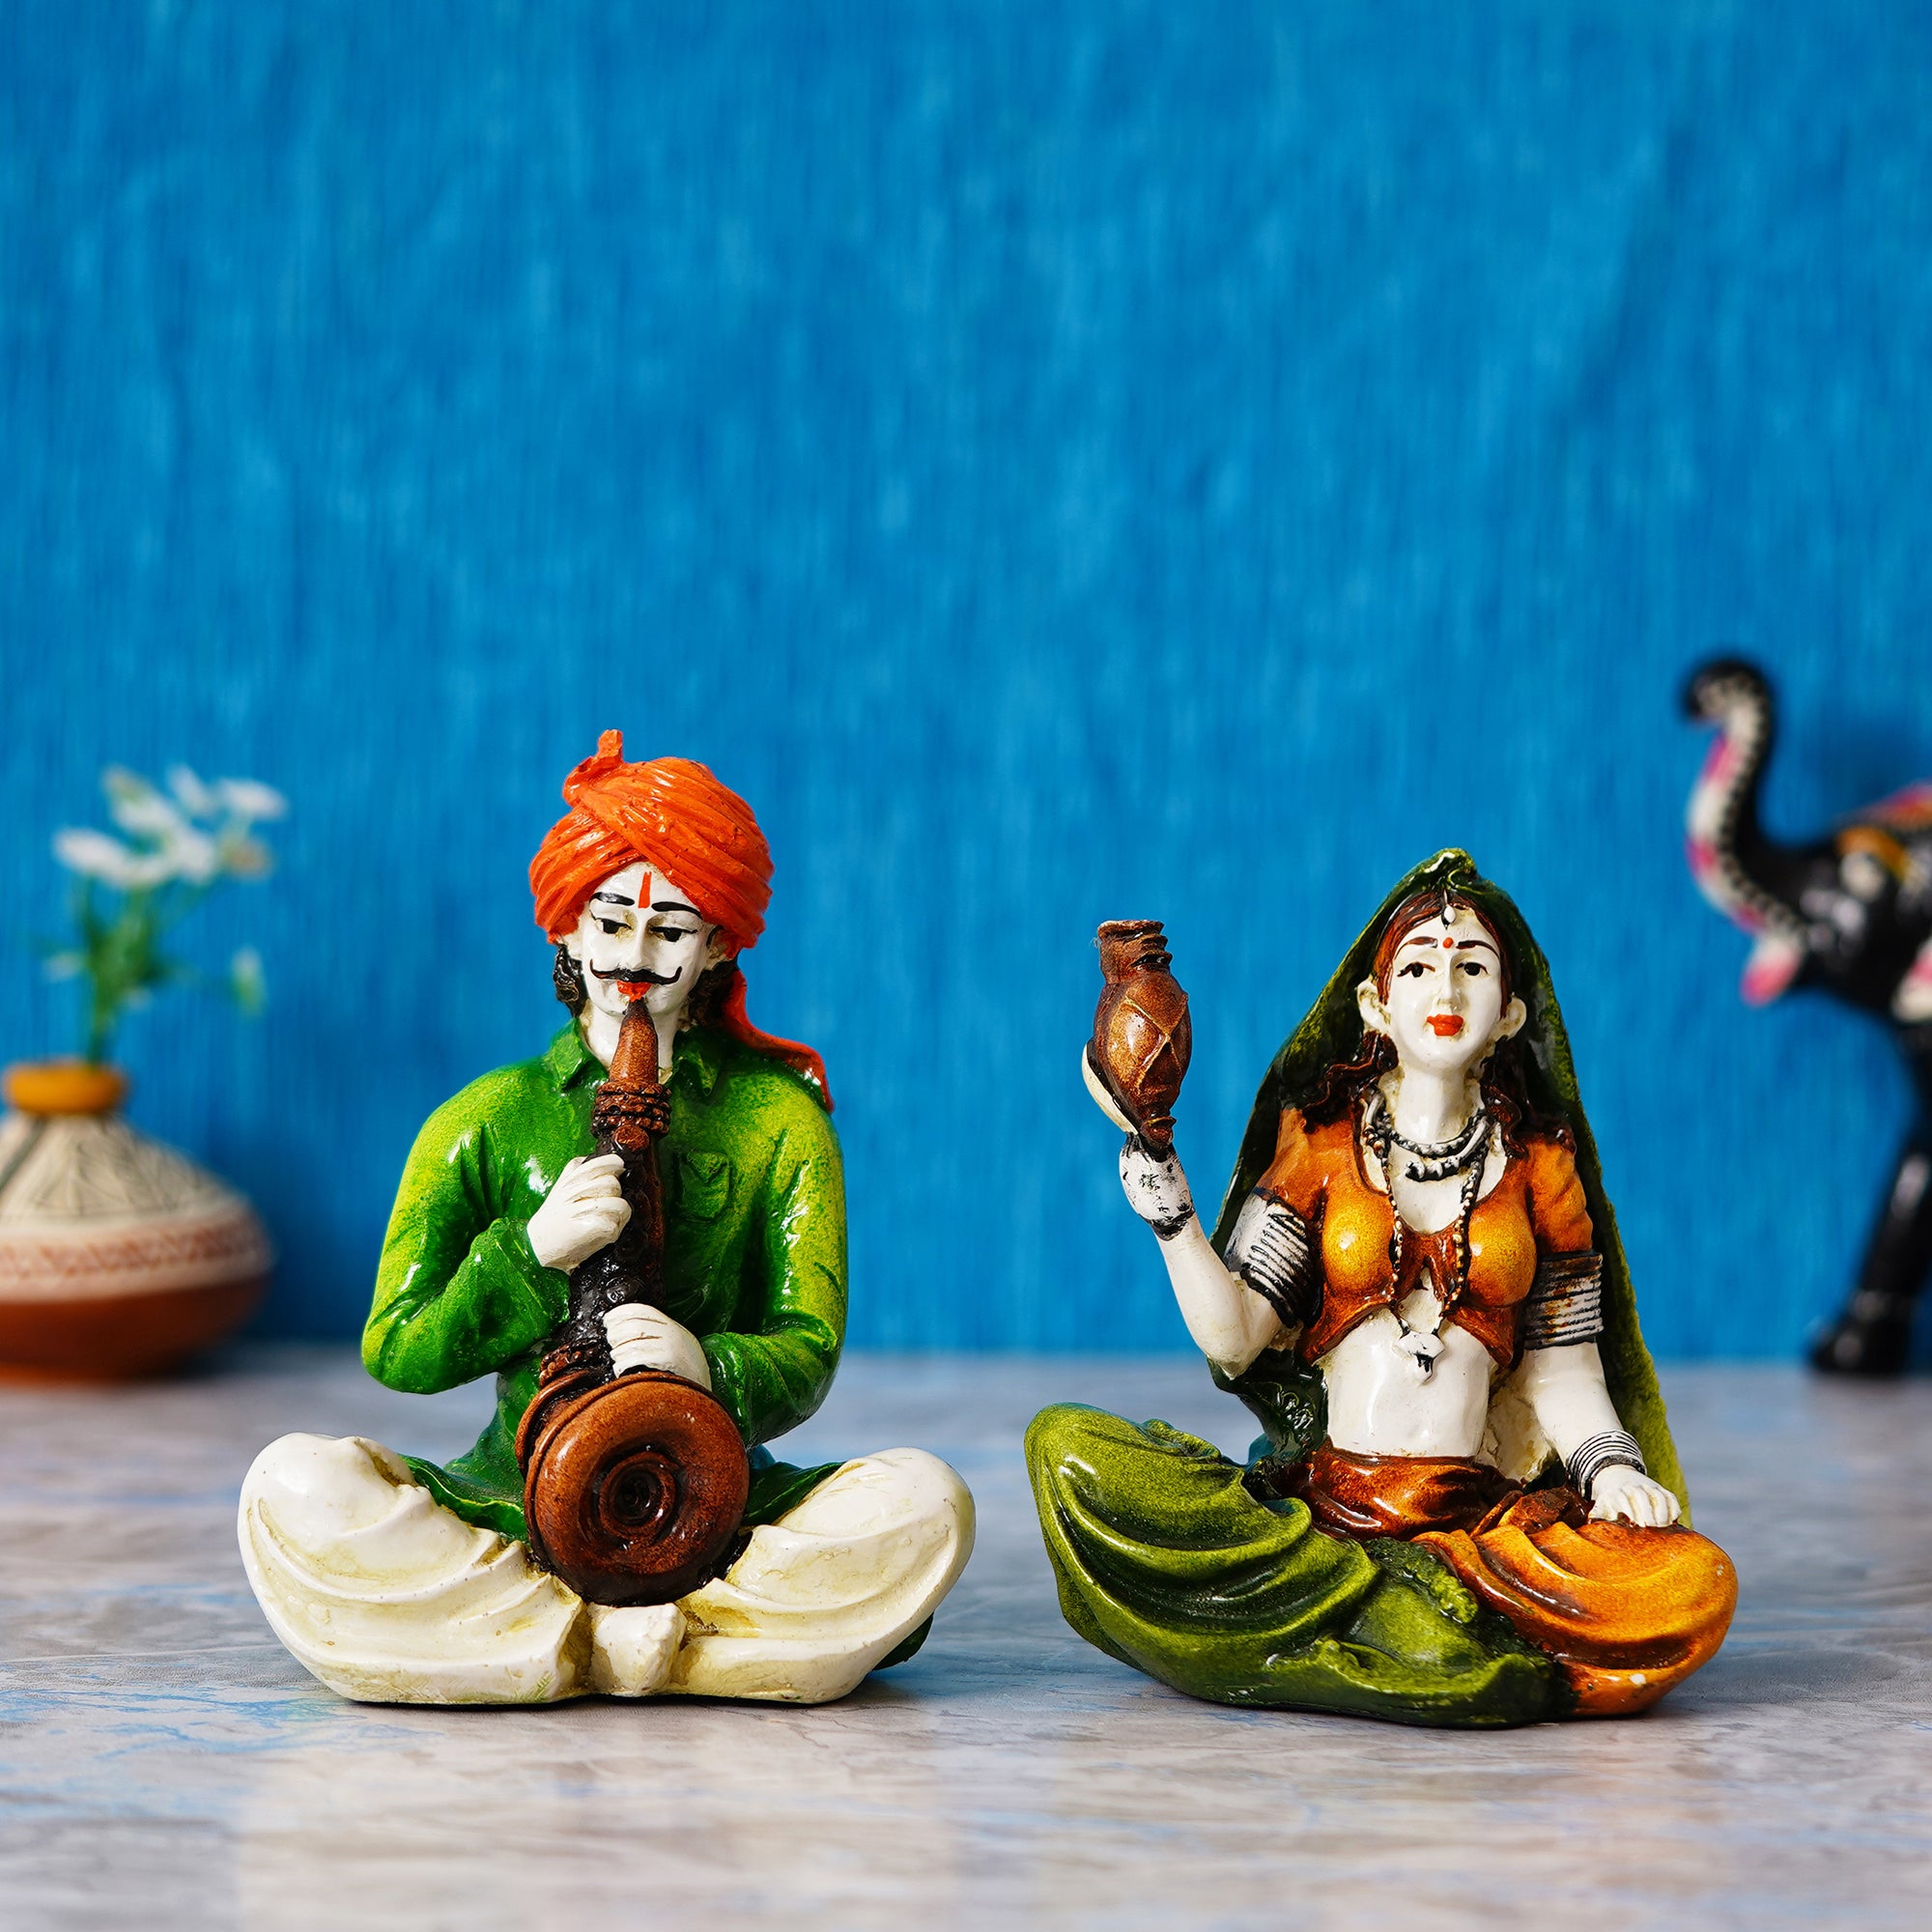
pixel 1059 462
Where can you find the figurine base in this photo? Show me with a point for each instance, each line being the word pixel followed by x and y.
pixel 422 1607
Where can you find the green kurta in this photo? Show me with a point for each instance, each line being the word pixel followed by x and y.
pixel 754 1253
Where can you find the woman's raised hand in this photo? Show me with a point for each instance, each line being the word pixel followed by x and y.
pixel 1156 1190
pixel 584 1211
pixel 1619 1491
pixel 1230 1323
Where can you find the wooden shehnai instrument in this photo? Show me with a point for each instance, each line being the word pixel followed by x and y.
pixel 633 1484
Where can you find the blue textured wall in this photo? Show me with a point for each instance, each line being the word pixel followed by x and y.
pixel 1059 461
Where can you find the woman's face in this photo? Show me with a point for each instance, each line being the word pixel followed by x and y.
pixel 1444 1008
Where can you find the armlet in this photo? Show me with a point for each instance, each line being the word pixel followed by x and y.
pixel 1565 1303
pixel 1273 1252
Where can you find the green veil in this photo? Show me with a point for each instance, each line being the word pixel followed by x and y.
pixel 1286 1395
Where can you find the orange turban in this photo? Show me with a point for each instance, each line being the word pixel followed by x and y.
pixel 672 815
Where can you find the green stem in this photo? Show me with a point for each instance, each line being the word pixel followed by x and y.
pixel 100 1031
pixel 123 952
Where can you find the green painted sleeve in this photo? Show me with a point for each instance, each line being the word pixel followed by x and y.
pixel 772 1378
pixel 459 1294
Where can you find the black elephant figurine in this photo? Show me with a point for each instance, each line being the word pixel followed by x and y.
pixel 1851 914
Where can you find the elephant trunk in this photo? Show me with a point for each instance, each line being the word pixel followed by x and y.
pixel 1750 879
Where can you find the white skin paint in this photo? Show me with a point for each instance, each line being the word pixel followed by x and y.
pixel 1444 1013
pixel 639 928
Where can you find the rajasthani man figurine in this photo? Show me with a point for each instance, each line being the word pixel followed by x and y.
pixel 652 1320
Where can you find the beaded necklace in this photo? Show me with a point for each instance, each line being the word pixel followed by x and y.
pixel 1464 1154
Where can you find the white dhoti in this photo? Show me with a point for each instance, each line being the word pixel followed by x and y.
pixel 389 1598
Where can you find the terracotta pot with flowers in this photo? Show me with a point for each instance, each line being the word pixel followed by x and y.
pixel 119 1256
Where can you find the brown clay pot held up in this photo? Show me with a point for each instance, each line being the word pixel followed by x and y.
pixel 1142 1034
pixel 119 1257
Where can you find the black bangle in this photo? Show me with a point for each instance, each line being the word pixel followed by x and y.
pixel 1272 1249
pixel 1166 1230
pixel 1592 1458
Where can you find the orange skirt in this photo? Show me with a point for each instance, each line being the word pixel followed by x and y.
pixel 1624 1612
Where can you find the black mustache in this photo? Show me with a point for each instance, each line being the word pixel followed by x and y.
pixel 638 975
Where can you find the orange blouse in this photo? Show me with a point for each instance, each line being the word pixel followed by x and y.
pixel 1537 1208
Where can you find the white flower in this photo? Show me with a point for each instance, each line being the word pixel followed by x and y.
pixel 151 869
pixel 184 851
pixel 118 782
pixel 249 800
pixel 246 858
pixel 93 854
pixel 196 799
pixel 192 855
pixel 64 965
pixel 136 807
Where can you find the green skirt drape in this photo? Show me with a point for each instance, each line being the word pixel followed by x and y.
pixel 1165 1561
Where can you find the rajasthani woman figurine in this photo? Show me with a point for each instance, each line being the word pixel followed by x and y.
pixel 1467 1509
pixel 641 1234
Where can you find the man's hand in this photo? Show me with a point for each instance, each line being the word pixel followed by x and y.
pixel 581 1214
pixel 1619 1491
pixel 647 1338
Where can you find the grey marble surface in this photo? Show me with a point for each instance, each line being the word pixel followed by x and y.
pixel 166 1765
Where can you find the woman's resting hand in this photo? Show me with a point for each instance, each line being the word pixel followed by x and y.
pixel 581 1214
pixel 1619 1491
pixel 1156 1190
pixel 647 1338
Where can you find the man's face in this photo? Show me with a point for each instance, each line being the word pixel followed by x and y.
pixel 641 937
